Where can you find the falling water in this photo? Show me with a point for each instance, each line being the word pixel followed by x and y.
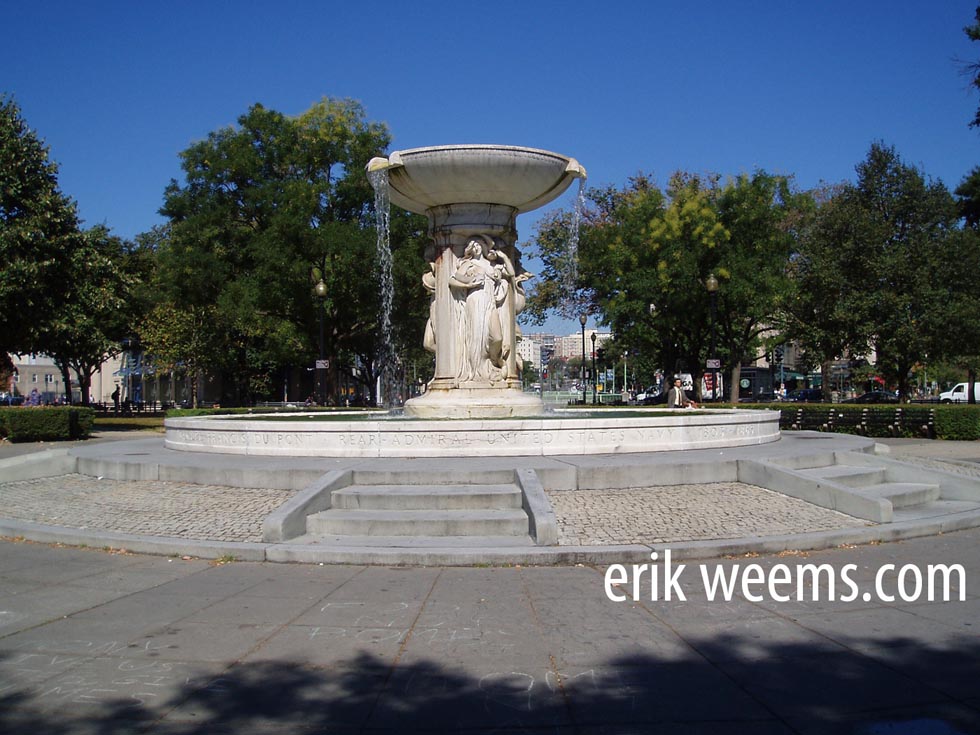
pixel 382 209
pixel 570 306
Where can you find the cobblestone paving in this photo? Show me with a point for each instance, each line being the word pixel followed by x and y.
pixel 144 507
pixel 686 513
pixel 969 469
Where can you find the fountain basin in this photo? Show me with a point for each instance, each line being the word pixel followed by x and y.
pixel 513 177
pixel 565 432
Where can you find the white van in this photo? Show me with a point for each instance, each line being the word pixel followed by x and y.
pixel 959 393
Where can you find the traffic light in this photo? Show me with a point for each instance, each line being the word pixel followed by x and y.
pixel 778 354
pixel 601 355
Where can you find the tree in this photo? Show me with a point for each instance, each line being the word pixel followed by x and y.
pixel 908 220
pixel 762 214
pixel 99 310
pixel 38 233
pixel 825 312
pixel 268 208
pixel 973 69
pixel 954 316
pixel 645 256
pixel 866 269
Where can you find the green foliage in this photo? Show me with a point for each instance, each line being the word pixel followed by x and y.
pixel 907 220
pixel 865 271
pixel 645 255
pixel 38 235
pixel 958 422
pixel 100 310
pixel 973 70
pixel 267 209
pixel 73 286
pixel 58 423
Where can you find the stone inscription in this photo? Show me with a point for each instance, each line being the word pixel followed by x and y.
pixel 413 438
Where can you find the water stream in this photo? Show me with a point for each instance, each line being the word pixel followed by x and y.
pixel 386 353
pixel 571 305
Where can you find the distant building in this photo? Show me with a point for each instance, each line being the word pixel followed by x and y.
pixel 529 351
pixel 40 371
pixel 565 347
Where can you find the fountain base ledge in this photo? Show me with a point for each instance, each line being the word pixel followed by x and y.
pixel 474 403
pixel 564 432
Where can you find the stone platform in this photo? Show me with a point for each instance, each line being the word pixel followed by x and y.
pixel 601 508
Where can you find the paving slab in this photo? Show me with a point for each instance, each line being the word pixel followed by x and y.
pixel 205 648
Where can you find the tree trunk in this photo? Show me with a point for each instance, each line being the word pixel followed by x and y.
pixel 971 377
pixel 66 377
pixel 826 380
pixel 733 386
pixel 903 384
pixel 85 386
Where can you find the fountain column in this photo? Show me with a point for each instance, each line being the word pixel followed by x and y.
pixel 451 228
pixel 471 196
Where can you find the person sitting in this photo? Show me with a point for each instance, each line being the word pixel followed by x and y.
pixel 677 397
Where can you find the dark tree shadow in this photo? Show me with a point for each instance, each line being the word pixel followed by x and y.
pixel 903 689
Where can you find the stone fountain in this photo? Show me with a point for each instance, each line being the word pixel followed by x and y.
pixel 474 405
pixel 471 195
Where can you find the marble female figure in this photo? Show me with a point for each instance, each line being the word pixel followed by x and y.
pixel 479 288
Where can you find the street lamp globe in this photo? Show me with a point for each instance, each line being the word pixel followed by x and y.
pixel 321 289
pixel 711 283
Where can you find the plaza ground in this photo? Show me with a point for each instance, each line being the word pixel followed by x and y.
pixel 95 641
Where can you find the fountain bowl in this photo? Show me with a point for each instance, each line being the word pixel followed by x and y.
pixel 521 178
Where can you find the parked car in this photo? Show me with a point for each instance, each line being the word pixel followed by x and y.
pixel 875 396
pixel 645 395
pixel 8 400
pixel 805 395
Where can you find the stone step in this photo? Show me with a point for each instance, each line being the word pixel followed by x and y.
pixel 847 475
pixel 340 522
pixel 416 542
pixel 427 497
pixel 936 509
pixel 901 494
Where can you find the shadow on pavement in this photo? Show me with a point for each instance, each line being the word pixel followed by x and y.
pixel 725 686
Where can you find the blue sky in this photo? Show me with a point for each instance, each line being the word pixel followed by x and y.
pixel 118 89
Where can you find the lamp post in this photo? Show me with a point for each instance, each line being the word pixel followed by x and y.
pixel 625 398
pixel 321 364
pixel 595 375
pixel 712 285
pixel 582 320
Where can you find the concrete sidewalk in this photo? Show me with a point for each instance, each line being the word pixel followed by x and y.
pixel 106 643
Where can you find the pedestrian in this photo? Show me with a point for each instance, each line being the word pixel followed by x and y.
pixel 115 400
pixel 677 398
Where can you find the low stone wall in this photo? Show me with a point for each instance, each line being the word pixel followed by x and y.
pixel 564 433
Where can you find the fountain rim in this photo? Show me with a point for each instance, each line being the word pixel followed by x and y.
pixel 517 436
pixel 402 159
pixel 375 164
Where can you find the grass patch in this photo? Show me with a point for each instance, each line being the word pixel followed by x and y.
pixel 129 423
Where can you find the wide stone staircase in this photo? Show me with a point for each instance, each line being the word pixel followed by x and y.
pixel 422 510
pixel 870 486
pixel 424 515
pixel 872 483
